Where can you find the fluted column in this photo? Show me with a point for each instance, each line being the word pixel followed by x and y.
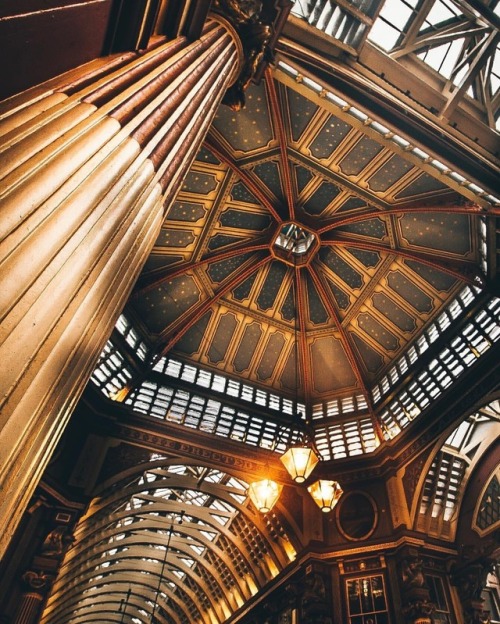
pixel 87 171
pixel 28 609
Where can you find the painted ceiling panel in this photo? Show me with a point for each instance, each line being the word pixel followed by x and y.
pixel 432 231
pixel 249 129
pixel 374 328
pixel 317 312
pixel 389 173
pixel 219 271
pixel 222 337
pixel 423 184
pixel 373 228
pixel 330 367
pixel 410 292
pixel 394 312
pixel 272 351
pixel 352 203
pixel 269 174
pixel 437 279
pixel 246 349
pixel 300 112
pixel 223 240
pixel 372 360
pixel 322 197
pixel 368 258
pixel 190 343
pixel 175 238
pixel 240 193
pixel 166 303
pixel 199 183
pixel 271 287
pixel 340 268
pixel 242 291
pixel 304 176
pixel 329 138
pixel 359 156
pixel 244 219
pixel 186 211
pixel 325 243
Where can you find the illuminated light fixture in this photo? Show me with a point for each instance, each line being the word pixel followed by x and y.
pixel 264 494
pixel 326 494
pixel 300 461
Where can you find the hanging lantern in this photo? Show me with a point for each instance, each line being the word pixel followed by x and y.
pixel 326 494
pixel 264 494
pixel 300 462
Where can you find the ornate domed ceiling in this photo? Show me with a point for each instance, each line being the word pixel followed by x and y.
pixel 299 233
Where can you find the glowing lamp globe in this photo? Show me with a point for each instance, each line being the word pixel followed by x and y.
pixel 325 494
pixel 300 462
pixel 264 494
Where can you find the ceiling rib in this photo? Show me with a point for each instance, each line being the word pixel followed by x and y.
pixel 346 344
pixel 471 209
pixel 470 273
pixel 306 370
pixel 200 310
pixel 186 268
pixel 281 135
pixel 220 152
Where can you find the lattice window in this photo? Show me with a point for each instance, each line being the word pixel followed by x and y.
pixel 131 336
pixel 489 508
pixel 430 335
pixel 458 43
pixel 218 383
pixel 208 415
pixel 463 350
pixel 439 599
pixel 442 486
pixel 345 22
pixel 346 439
pixel 366 600
pixel 111 373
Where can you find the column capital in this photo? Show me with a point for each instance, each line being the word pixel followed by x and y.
pixel 36 581
pixel 470 579
pixel 415 595
pixel 258 25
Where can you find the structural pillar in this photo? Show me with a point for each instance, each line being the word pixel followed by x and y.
pixel 417 607
pixel 31 601
pixel 88 169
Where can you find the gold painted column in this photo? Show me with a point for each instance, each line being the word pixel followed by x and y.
pixel 88 169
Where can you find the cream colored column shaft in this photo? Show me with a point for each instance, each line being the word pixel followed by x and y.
pixel 87 172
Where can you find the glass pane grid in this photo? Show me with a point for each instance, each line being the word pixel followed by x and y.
pixel 366 600
pixel 111 373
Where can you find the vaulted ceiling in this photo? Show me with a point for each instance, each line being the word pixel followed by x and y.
pixel 300 234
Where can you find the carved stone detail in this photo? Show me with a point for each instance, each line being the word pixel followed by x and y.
pixel 256 29
pixel 471 580
pixel 36 581
pixel 417 606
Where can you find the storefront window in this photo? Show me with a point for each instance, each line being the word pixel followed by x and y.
pixel 366 600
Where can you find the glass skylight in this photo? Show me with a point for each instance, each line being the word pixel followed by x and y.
pixel 213 554
pixel 295 239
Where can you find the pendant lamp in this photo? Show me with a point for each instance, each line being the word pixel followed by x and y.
pixel 325 494
pixel 264 494
pixel 300 461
